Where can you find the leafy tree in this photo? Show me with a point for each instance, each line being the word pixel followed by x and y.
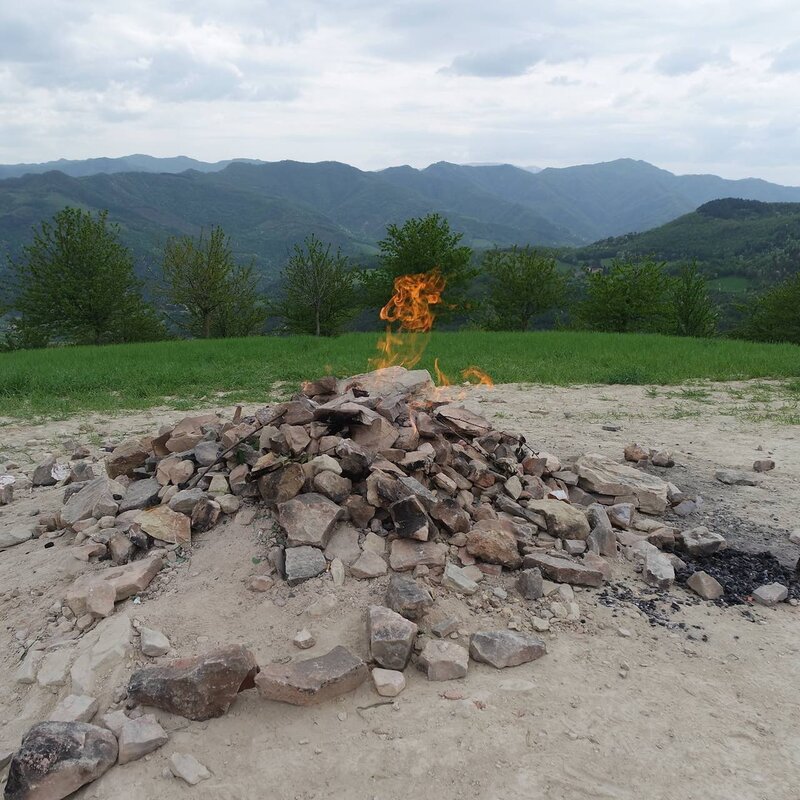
pixel 218 297
pixel 420 245
pixel 775 315
pixel 75 283
pixel 693 312
pixel 632 296
pixel 319 290
pixel 523 283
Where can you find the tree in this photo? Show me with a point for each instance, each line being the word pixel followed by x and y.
pixel 523 284
pixel 421 245
pixel 75 284
pixel 319 290
pixel 775 315
pixel 632 296
pixel 693 312
pixel 217 297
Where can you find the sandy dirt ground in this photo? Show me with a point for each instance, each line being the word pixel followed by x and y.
pixel 617 709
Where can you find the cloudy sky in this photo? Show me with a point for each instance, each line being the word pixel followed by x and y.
pixel 692 86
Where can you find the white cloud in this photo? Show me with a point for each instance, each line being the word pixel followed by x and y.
pixel 688 86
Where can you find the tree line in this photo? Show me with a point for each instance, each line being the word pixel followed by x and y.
pixel 75 284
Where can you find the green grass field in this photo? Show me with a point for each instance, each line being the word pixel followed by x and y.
pixel 59 382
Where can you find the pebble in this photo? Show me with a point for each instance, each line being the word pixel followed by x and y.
pixel 304 639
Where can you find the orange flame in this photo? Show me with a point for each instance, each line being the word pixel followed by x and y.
pixel 412 307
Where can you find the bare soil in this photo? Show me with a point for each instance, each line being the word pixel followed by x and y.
pixel 617 709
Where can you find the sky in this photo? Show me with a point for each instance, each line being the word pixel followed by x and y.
pixel 700 86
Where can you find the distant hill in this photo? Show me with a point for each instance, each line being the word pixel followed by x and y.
pixel 267 207
pixel 109 166
pixel 757 243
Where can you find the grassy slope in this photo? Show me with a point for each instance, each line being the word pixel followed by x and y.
pixel 185 373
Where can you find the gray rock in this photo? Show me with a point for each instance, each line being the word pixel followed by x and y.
pixel 206 453
pixel 140 736
pixel 406 554
pixel 763 465
pixel 701 541
pixel 733 477
pixel 368 565
pixel 56 758
pixel 770 594
pixel 74 708
pixel 97 498
pixel 185 500
pixel 302 563
pixel 140 495
pixel 391 637
pixel 335 487
pixel 153 643
pixel 443 660
pixel 564 570
pixel 564 521
pixel 458 581
pixel 343 544
pixel 12 538
pixel 530 583
pixel 406 597
pixel 43 474
pixel 505 648
pixel 657 570
pixel 188 768
pixel 621 515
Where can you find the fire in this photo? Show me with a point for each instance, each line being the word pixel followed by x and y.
pixel 411 308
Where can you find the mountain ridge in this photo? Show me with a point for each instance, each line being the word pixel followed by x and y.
pixel 267 207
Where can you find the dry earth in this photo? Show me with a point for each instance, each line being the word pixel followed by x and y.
pixel 699 719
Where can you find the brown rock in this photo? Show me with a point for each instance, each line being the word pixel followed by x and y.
pixel 635 452
pixel 197 688
pixel 100 599
pixel 505 648
pixel 360 511
pixel 282 484
pixel 126 457
pixel 405 554
pixel 314 680
pixel 705 585
pixel 368 565
pixel 563 570
pixel 98 498
pixel 378 435
pixel 451 515
pixel 120 548
pixel 462 421
pixel 491 542
pixel 166 525
pixel 335 487
pixel 309 519
pixel 56 758
pixel 126 581
pixel 564 521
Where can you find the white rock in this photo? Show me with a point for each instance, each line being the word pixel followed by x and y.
pixel 188 768
pixel 388 682
pixel 75 708
pixel 140 736
pixel 55 668
pixel 304 639
pixel 26 672
pixel 153 642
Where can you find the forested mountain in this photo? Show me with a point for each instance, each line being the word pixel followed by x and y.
pixel 729 238
pixel 267 207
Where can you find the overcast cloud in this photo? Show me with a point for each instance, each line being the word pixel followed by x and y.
pixel 691 87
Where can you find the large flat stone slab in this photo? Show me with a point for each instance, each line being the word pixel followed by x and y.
pixel 196 688
pixel 309 519
pixel 564 570
pixel 313 680
pixel 599 474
